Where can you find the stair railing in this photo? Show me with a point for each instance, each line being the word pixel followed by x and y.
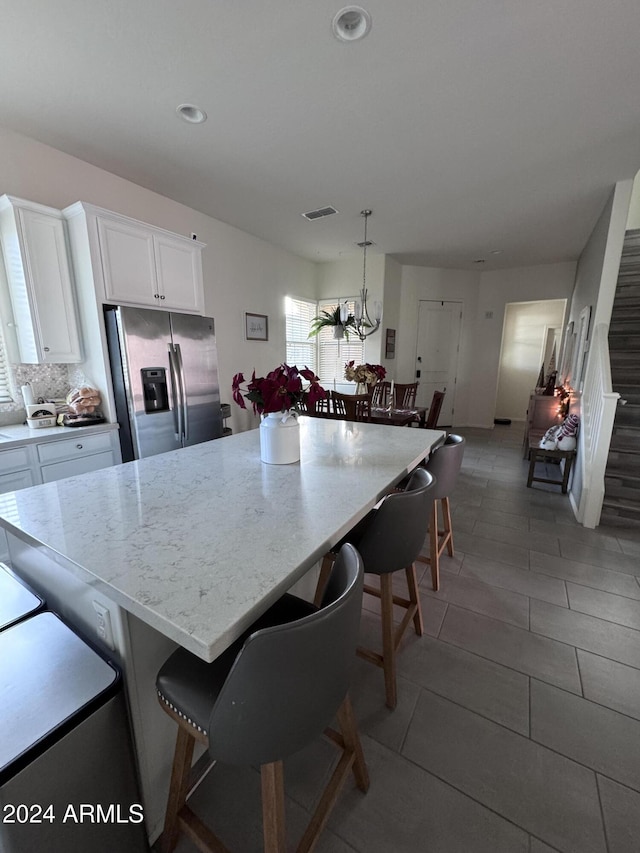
pixel 598 413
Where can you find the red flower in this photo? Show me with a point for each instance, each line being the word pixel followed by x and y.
pixel 279 391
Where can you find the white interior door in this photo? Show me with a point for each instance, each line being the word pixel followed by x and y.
pixel 439 325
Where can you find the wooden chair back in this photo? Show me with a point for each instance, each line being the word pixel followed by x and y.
pixel 404 396
pixel 433 414
pixel 380 394
pixel 351 407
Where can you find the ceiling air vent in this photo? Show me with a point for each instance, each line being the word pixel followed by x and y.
pixel 320 212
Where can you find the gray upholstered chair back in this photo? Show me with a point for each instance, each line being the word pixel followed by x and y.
pixel 289 680
pixel 397 529
pixel 444 463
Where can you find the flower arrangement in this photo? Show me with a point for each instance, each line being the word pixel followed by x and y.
pixel 367 374
pixel 281 390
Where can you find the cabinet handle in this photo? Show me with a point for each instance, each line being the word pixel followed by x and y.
pixel 156 296
pixel 79 446
pixel 162 297
pixel 46 349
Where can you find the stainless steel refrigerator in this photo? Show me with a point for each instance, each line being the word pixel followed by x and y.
pixel 165 379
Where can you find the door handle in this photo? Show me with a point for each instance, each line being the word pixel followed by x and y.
pixel 177 409
pixel 183 392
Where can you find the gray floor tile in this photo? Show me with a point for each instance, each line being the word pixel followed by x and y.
pixel 491 690
pixel 540 847
pixel 599 557
pixel 368 698
pixel 597 737
pixel 480 597
pixel 610 683
pixel 604 605
pixel 523 581
pixel 492 516
pixel 519 508
pixel 621 809
pixel 433 611
pixel 586 632
pixel 408 810
pixel 573 530
pixel 585 574
pixel 533 541
pixel 549 795
pixel 502 552
pixel 629 547
pixel 513 647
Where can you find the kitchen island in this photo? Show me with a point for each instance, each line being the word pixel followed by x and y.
pixel 189 547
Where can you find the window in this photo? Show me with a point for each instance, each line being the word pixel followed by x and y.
pixel 301 350
pixel 334 354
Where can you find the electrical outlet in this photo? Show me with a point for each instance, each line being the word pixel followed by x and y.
pixel 104 627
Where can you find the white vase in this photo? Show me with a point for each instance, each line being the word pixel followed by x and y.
pixel 280 438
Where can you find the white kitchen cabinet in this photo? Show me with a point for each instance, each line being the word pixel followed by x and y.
pixel 138 264
pixel 54 458
pixel 40 284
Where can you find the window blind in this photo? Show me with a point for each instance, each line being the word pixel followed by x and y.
pixel 334 354
pixel 301 350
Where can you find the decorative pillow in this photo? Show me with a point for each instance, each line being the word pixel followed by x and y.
pixel 550 438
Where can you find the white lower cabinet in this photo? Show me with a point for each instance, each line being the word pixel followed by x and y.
pixel 46 461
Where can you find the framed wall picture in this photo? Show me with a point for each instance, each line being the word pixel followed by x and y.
pixel 256 327
pixel 582 345
pixel 390 344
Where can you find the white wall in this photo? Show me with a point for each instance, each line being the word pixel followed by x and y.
pixel 633 220
pixel 522 284
pixel 523 341
pixel 241 272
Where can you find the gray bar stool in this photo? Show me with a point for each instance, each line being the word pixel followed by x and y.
pixel 389 540
pixel 17 600
pixel 267 696
pixel 444 463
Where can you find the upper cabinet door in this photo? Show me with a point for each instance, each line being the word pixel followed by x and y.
pixel 128 263
pixel 146 266
pixel 40 284
pixel 179 269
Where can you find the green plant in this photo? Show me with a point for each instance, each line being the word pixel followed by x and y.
pixel 331 318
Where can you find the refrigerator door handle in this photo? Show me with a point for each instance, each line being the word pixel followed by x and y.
pixel 183 392
pixel 175 392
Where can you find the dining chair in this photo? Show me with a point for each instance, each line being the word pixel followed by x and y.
pixel 271 693
pixel 431 421
pixel 380 395
pixel 404 396
pixel 351 407
pixel 444 464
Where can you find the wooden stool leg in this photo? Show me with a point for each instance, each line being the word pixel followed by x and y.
pixel 446 519
pixel 325 572
pixel 178 787
pixel 273 826
pixel 533 456
pixel 388 640
pixel 349 729
pixel 434 558
pixel 414 598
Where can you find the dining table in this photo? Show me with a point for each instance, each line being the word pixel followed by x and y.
pixel 188 548
pixel 398 417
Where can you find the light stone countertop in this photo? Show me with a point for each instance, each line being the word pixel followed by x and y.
pixel 16 435
pixel 198 542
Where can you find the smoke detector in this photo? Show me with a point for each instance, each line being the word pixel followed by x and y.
pixel 351 23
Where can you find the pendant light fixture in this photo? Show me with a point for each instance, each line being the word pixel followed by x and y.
pixel 363 324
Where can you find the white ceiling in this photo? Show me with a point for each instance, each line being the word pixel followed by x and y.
pixel 467 126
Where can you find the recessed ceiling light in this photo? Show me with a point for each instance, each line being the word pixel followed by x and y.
pixel 496 252
pixel 191 113
pixel 351 23
pixel 479 261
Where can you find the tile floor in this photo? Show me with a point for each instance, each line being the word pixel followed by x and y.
pixel 518 723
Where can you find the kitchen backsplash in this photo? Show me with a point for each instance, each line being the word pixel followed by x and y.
pixel 51 381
